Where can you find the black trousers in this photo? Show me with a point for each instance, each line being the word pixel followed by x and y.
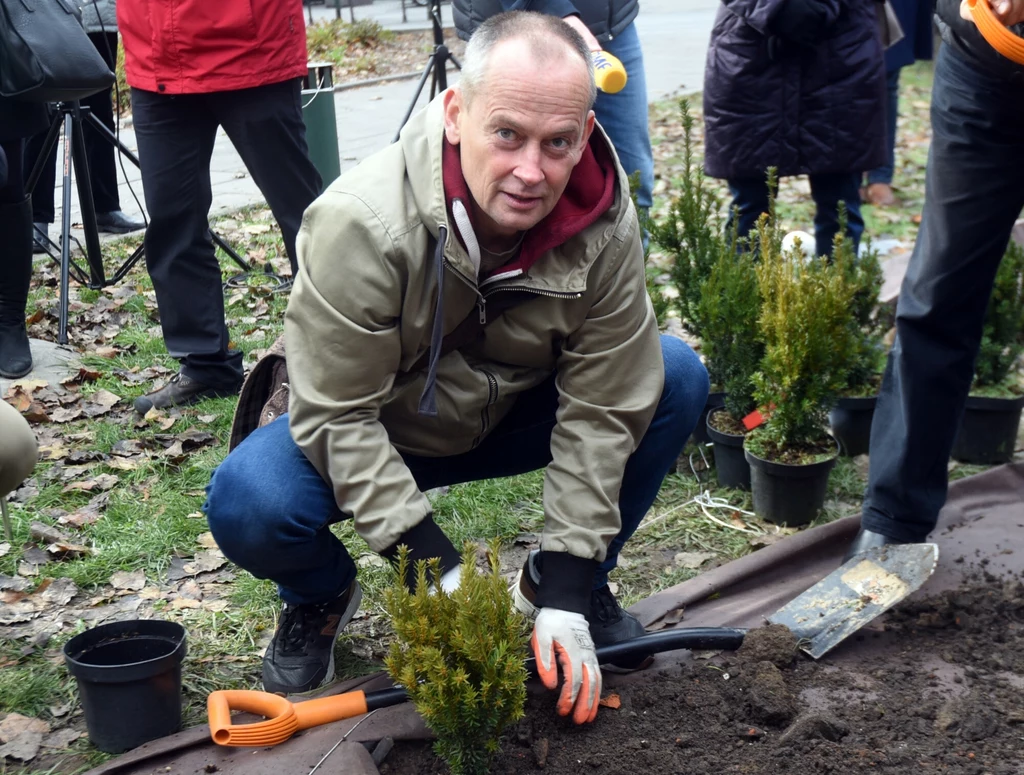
pixel 175 136
pixel 974 191
pixel 98 152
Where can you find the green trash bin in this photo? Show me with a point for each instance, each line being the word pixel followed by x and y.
pixel 321 121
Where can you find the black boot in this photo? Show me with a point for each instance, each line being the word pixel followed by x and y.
pixel 15 273
pixel 867 539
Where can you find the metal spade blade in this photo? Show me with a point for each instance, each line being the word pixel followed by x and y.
pixel 855 593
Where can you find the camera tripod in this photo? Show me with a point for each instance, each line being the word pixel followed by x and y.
pixel 71 117
pixel 436 65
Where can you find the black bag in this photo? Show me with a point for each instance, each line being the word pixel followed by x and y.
pixel 45 55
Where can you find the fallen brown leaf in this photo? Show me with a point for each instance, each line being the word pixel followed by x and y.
pixel 133 581
pixel 68 551
pixel 610 701
pixel 46 533
pixel 103 482
pixel 101 402
pixel 89 514
pixel 61 739
pixel 22 736
pixel 205 540
pixel 66 415
pixel 83 375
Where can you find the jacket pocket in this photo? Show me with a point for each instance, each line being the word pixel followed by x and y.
pixel 231 20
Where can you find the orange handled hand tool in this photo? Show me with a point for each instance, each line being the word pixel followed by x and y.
pixel 283 717
pixel 998 36
pixel 609 73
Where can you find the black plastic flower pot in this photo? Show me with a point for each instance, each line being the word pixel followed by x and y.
pixel 788 494
pixel 129 681
pixel 988 430
pixel 700 433
pixel 731 466
pixel 851 424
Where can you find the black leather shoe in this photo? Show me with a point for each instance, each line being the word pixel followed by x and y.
pixel 180 391
pixel 117 222
pixel 40 234
pixel 300 658
pixel 867 539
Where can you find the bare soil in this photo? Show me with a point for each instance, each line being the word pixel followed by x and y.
pixel 936 689
pixel 723 422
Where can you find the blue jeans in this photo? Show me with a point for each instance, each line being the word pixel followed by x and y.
pixel 885 173
pixel 270 510
pixel 974 191
pixel 624 115
pixel 750 199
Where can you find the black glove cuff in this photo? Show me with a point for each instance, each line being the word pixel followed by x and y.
pixel 425 540
pixel 565 582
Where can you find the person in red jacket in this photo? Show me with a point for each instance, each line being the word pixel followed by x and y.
pixel 194 66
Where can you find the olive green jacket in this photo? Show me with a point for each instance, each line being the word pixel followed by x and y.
pixel 366 304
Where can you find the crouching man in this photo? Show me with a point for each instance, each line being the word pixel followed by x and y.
pixel 470 304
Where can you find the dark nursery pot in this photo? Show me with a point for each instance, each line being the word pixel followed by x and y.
pixel 731 466
pixel 129 680
pixel 700 433
pixel 851 424
pixel 788 494
pixel 988 430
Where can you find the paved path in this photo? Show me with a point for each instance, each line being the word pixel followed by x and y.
pixel 674 34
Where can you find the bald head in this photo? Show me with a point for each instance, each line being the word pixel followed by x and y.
pixel 543 40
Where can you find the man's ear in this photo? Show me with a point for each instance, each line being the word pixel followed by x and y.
pixel 588 130
pixel 453 109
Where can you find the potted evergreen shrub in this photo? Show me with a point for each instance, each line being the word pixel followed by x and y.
pixel 693 235
pixel 988 430
pixel 729 309
pixel 805 324
pixel 851 417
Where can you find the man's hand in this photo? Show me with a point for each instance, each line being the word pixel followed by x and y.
pixel 577 24
pixel 1009 12
pixel 563 638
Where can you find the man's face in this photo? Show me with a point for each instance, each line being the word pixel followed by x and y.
pixel 519 137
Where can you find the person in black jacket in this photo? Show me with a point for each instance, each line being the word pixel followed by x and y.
pixel 18 121
pixel 974 192
pixel 798 85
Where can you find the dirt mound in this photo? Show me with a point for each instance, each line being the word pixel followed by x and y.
pixel 936 690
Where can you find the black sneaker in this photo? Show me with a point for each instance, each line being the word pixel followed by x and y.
pixel 180 390
pixel 609 623
pixel 300 658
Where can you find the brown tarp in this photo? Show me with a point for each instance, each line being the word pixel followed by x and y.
pixel 977 531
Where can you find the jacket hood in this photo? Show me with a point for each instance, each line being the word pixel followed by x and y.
pixel 589 194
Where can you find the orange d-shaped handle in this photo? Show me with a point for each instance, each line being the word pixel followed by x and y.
pixel 283 717
pixel 998 36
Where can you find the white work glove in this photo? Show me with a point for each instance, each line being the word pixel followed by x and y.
pixel 450 580
pixel 563 638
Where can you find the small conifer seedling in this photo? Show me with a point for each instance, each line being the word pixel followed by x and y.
pixel 461 656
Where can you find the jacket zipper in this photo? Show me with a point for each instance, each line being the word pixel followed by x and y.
pixel 485 413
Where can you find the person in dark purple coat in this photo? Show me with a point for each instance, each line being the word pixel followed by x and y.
pixel 915 18
pixel 798 85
